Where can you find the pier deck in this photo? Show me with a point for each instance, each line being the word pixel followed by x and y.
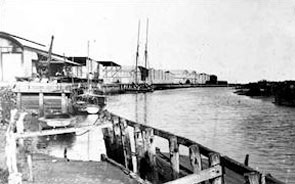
pixel 53 170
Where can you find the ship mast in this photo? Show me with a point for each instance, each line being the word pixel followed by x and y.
pixel 49 56
pixel 137 52
pixel 146 50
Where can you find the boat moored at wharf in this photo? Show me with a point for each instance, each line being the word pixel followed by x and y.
pixel 132 148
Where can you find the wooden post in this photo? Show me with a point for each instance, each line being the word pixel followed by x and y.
pixel 63 102
pixel 253 178
pixel 108 137
pixel 18 100
pixel 174 156
pixel 29 160
pixel 151 154
pixel 246 162
pixel 10 150
pixel 214 159
pixel 138 147
pixel 195 158
pixel 20 127
pixel 126 143
pixel 41 104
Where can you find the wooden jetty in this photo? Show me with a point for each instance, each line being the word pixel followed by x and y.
pixel 139 155
pixel 130 146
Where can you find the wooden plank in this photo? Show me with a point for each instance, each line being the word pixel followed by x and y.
pixel 125 170
pixel 203 175
pixel 174 156
pixel 227 162
pixel 166 135
pixel 55 131
pixel 195 158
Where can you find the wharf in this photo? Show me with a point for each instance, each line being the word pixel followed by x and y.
pixel 54 170
pixel 130 147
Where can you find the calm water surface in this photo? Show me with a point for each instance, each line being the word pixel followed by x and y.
pixel 215 117
pixel 221 120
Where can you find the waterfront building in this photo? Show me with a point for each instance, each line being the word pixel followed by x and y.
pixel 109 71
pixel 23 56
pixel 88 68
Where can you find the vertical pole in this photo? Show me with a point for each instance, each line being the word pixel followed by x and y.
pixel 1 65
pixel 30 164
pixel 252 178
pixel 138 146
pixel 214 159
pixel 41 104
pixel 19 100
pixel 246 162
pixel 195 158
pixel 151 153
pixel 137 53
pixel 63 102
pixel 174 156
pixel 124 143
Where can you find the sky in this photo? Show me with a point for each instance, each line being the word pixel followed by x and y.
pixel 238 40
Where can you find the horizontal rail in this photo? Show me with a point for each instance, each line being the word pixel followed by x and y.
pixel 166 135
pixel 57 131
pixel 227 162
pixel 204 175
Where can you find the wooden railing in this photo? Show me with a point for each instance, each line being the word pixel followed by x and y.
pixel 42 87
pixel 145 153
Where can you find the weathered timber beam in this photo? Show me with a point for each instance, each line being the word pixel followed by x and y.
pixel 166 135
pixel 55 131
pixel 125 170
pixel 203 175
pixel 241 169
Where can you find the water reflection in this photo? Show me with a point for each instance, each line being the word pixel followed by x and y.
pixel 85 145
pixel 216 117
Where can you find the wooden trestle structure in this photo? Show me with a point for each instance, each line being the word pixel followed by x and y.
pixel 138 157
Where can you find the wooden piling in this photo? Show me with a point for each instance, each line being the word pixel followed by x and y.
pixel 63 102
pixel 150 155
pixel 195 158
pixel 252 178
pixel 214 160
pixel 125 138
pixel 18 100
pixel 138 146
pixel 30 165
pixel 174 156
pixel 246 162
pixel 41 104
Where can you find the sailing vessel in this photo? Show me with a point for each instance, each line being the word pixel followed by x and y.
pixel 137 87
pixel 88 102
pixel 88 99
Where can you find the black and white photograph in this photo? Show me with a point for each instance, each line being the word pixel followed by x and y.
pixel 147 91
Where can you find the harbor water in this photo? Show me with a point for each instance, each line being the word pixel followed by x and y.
pixel 221 120
pixel 215 117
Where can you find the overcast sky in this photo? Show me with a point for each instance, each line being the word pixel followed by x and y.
pixel 238 40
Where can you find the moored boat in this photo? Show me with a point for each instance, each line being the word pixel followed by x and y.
pixel 57 120
pixel 88 103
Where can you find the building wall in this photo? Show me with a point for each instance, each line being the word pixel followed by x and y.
pixel 11 60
